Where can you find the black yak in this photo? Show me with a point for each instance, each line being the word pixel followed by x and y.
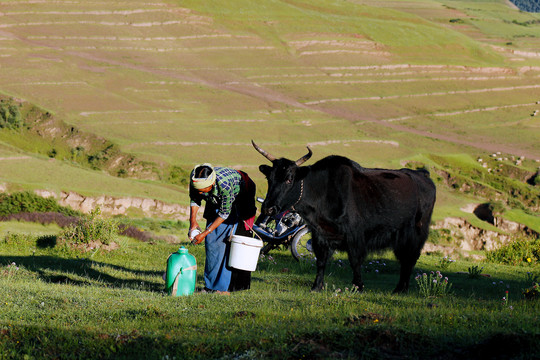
pixel 351 208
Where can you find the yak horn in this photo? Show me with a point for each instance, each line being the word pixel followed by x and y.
pixel 304 158
pixel 263 153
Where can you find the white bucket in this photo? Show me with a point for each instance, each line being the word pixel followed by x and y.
pixel 244 252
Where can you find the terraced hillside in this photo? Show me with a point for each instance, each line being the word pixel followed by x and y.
pixel 173 83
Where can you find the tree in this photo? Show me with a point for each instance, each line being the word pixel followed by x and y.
pixel 10 116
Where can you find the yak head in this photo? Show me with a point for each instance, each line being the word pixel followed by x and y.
pixel 285 182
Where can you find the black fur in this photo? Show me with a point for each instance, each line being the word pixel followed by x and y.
pixel 355 209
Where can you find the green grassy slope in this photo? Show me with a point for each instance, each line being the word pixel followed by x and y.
pixel 179 83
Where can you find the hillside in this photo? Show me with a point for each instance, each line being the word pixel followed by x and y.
pixel 156 87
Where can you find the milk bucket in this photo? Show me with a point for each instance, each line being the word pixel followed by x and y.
pixel 181 273
pixel 244 252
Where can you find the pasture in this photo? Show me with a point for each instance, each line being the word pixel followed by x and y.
pixel 57 303
pixel 212 76
pixel 447 85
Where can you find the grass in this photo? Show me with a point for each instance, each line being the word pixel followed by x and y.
pixel 285 74
pixel 43 173
pixel 112 305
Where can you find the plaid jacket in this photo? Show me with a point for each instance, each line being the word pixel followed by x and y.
pixel 223 194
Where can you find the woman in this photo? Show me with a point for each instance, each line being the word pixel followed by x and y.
pixel 230 209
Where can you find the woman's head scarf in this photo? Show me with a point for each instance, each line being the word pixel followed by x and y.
pixel 202 183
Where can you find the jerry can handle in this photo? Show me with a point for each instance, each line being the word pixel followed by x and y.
pixel 175 284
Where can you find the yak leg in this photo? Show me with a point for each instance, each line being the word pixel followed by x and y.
pixel 323 254
pixel 407 266
pixel 356 258
pixel 407 256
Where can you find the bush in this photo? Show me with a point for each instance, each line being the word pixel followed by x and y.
pixel 497 208
pixel 520 251
pixel 90 229
pixel 10 116
pixel 28 202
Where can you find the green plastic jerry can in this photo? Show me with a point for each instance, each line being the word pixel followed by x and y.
pixel 181 273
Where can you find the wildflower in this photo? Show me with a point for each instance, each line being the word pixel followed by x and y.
pixel 529 259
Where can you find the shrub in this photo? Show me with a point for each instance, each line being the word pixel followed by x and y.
pixel 28 202
pixel 497 208
pixel 10 116
pixel 89 229
pixel 521 250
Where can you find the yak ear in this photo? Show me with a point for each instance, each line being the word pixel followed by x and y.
pixel 265 169
pixel 301 172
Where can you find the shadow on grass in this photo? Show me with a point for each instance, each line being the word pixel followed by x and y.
pixel 381 274
pixel 46 342
pixel 84 272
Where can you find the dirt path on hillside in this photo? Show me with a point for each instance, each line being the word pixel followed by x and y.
pixel 268 95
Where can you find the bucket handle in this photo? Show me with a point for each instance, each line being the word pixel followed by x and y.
pixel 253 231
pixel 250 228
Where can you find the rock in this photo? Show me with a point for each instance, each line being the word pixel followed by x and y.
pixel 118 206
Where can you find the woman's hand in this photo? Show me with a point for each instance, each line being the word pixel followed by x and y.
pixel 200 237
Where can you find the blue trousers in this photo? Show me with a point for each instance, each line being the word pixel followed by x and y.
pixel 217 275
